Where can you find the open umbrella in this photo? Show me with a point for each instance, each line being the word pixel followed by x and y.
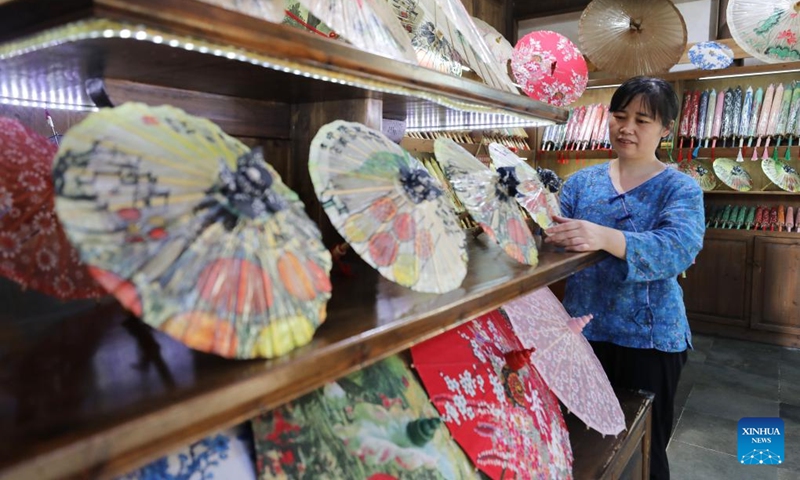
pixel 388 207
pixel 565 359
pixel 710 55
pixel 368 24
pixel 34 250
pixel 766 29
pixel 539 201
pixel 733 175
pixel 500 47
pixel 549 68
pixel 489 198
pixel 192 231
pixel 444 29
pixel 700 173
pixel 781 174
pixel 298 16
pixel 376 423
pixel 631 37
pixel 271 10
pixel 494 402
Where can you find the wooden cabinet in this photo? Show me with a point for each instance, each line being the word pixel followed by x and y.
pixel 776 285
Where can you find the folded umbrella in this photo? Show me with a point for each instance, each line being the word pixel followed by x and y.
pixel 763 118
pixel 744 121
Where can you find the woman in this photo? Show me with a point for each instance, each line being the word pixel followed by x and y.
pixel 649 218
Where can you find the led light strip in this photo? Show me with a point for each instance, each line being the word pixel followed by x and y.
pixel 21 102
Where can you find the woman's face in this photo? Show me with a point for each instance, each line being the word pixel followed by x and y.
pixel 635 132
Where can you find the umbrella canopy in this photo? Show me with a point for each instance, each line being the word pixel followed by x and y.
pixel 376 423
pixel 565 359
pixel 192 231
pixel 298 16
pixel 781 174
pixel 732 175
pixel 631 37
pixel 271 10
pixel 388 207
pixel 368 24
pixel 539 201
pixel 549 68
pixel 766 29
pixel 34 250
pixel 444 29
pixel 700 173
pixel 494 402
pixel 500 47
pixel 710 55
pixel 489 197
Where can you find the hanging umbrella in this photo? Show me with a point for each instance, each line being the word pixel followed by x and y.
pixel 490 198
pixel 766 29
pixel 444 37
pixel 549 68
pixel 368 24
pixel 781 174
pixel 500 47
pixel 789 219
pixel 701 174
pixel 631 37
pixel 702 113
pixel 565 359
pixel 774 114
pixel 192 231
pixel 388 207
pixel 34 250
pixel 718 120
pixel 763 118
pixel 710 55
pixel 733 175
pixel 744 120
pixel 494 402
pixel 708 125
pixel 376 423
pixel 298 16
pixel 540 202
pixel 270 10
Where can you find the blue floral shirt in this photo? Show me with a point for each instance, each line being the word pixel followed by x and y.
pixel 637 302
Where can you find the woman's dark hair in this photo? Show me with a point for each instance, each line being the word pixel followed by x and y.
pixel 658 96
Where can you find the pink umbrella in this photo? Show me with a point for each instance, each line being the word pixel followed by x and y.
pixel 550 68
pixel 763 118
pixel 565 359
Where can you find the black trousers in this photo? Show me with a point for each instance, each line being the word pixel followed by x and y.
pixel 652 370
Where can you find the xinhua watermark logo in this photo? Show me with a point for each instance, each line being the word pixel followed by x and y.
pixel 760 441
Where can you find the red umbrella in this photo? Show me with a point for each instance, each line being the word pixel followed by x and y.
pixel 550 68
pixel 565 359
pixel 34 251
pixel 493 402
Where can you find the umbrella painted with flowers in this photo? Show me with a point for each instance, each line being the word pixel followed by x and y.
pixel 388 207
pixel 34 250
pixel 497 43
pixel 539 201
pixel 565 359
pixel 701 174
pixel 376 423
pixel 766 29
pixel 490 198
pixel 550 68
pixel 494 402
pixel 192 231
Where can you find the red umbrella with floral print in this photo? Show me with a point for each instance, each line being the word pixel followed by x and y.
pixel 34 251
pixel 550 68
pixel 565 359
pixel 494 402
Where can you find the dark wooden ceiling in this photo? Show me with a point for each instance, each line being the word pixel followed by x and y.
pixel 543 8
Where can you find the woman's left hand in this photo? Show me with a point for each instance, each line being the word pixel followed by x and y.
pixel 584 236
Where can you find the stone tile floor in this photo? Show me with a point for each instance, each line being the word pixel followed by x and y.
pixel 723 381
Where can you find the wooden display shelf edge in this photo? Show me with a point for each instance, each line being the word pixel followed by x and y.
pixel 610 81
pixel 121 441
pixel 423 145
pixel 753 192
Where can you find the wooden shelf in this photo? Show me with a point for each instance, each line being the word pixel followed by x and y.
pixel 99 393
pixel 274 49
pixel 751 192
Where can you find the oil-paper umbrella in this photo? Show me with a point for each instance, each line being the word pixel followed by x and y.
pixel 701 174
pixel 781 174
pixel 539 201
pixel 298 16
pixel 375 424
pixel 500 47
pixel 631 37
pixel 271 10
pixel 34 250
pixel 766 29
pixel 733 175
pixel 494 401
pixel 564 358
pixel 489 197
pixel 369 25
pixel 550 68
pixel 388 207
pixel 192 231
pixel 710 55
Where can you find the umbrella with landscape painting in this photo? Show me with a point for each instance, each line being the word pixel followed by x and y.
pixel 192 231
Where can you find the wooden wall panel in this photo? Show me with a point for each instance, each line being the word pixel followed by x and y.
pixel 776 285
